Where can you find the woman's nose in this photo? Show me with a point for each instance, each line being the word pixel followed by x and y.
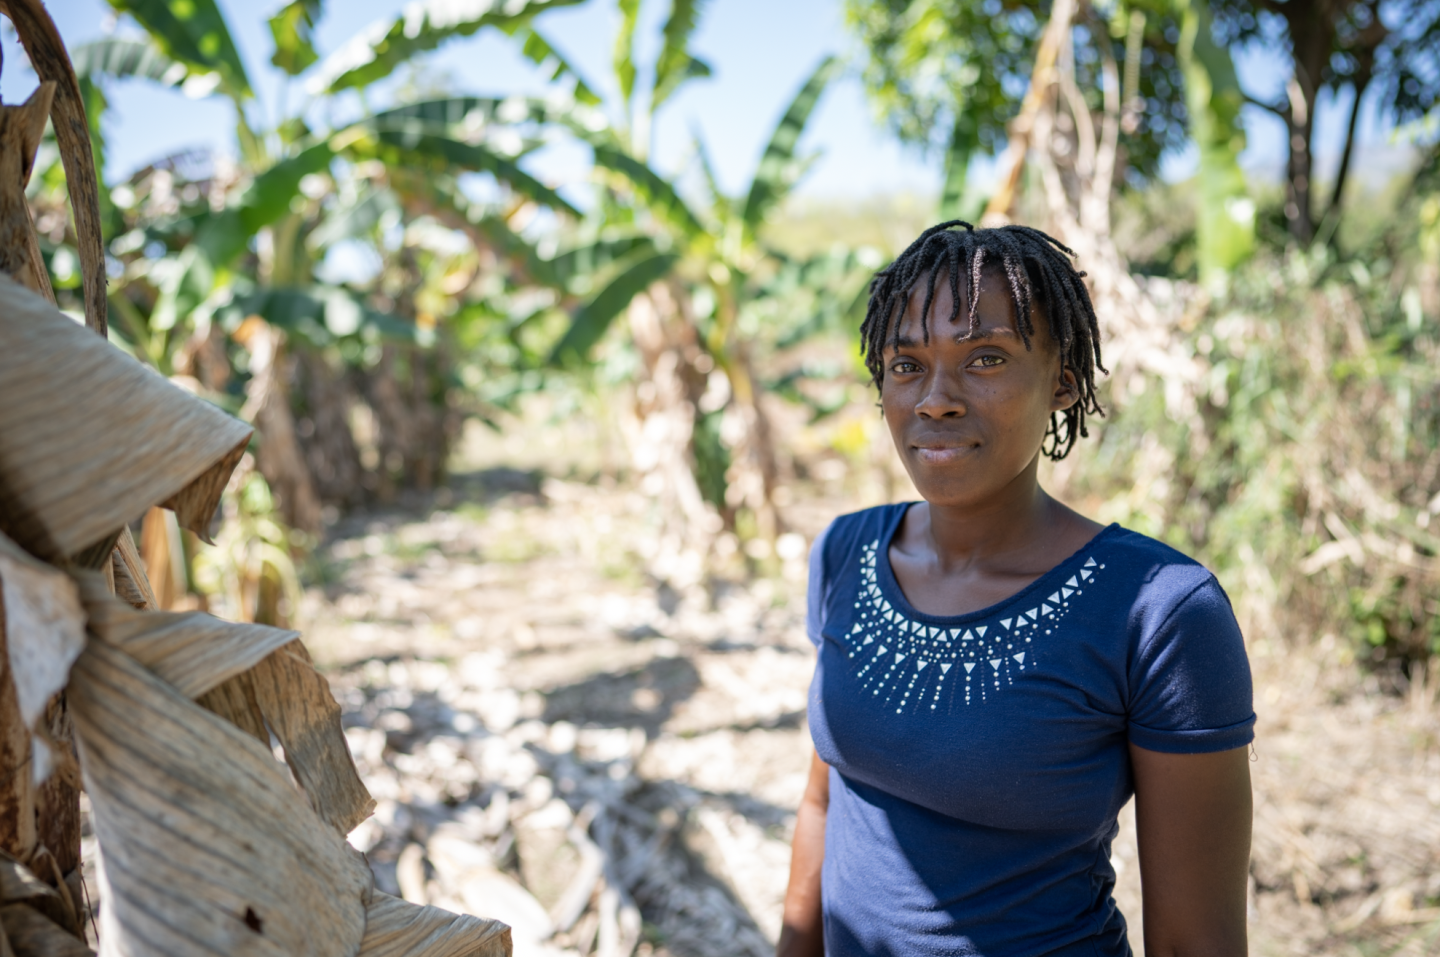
pixel 941 399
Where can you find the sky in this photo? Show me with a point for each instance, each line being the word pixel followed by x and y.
pixel 761 51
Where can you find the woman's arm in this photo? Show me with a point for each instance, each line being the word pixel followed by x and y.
pixel 802 934
pixel 1193 812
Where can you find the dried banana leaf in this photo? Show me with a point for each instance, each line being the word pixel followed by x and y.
pixel 31 934
pixel 132 583
pixel 298 705
pixel 20 130
pixel 90 438
pixel 48 58
pixel 193 651
pixel 44 627
pixel 206 848
pixel 396 928
pixel 17 883
pixel 234 700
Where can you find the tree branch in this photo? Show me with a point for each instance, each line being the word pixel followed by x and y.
pixel 1361 82
pixel 1281 111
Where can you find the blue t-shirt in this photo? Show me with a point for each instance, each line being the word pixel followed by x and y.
pixel 978 762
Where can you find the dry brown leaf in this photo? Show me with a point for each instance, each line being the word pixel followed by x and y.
pixel 17 883
pixel 234 700
pixel 48 58
pixel 20 130
pixel 206 848
pixel 76 465
pixel 132 582
pixel 193 651
pixel 31 934
pixel 299 707
pixel 395 928
pixel 44 627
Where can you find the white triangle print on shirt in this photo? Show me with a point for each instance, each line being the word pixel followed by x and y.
pixel 902 643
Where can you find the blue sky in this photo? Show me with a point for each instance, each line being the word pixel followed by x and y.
pixel 761 50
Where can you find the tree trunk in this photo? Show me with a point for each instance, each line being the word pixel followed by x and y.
pixel 660 431
pixel 278 456
pixel 324 425
pixel 1312 33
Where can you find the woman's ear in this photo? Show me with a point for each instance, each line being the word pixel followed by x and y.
pixel 1067 390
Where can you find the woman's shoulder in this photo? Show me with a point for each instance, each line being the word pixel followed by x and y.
pixel 1161 578
pixel 860 528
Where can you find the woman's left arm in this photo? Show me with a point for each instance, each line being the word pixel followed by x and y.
pixel 1193 816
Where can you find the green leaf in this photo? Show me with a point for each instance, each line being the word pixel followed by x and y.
pixel 594 318
pixel 451 154
pixel 353 217
pixel 122 57
pixel 443 115
pixel 539 51
pixel 224 236
pixel 424 25
pixel 624 57
pixel 956 201
pixel 594 257
pixel 675 65
pixel 778 169
pixel 322 314
pixel 193 32
pixel 294 31
pixel 659 196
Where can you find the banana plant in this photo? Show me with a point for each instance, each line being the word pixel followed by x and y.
pixel 208 253
pixel 693 278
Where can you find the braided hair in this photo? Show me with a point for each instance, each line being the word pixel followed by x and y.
pixel 1038 270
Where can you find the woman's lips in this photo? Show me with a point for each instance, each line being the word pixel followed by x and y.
pixel 943 453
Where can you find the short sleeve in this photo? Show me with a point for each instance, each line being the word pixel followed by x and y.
pixel 1190 682
pixel 815 590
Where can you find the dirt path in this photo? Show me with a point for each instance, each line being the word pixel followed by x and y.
pixel 556 742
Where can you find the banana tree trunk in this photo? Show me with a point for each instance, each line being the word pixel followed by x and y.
pixel 278 456
pixel 324 426
pixel 660 431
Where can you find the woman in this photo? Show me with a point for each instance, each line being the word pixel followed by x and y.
pixel 998 674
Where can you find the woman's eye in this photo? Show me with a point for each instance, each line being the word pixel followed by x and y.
pixel 988 362
pixel 904 367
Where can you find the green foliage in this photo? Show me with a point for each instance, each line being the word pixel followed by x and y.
pixel 947 75
pixel 193 32
pixel 1300 463
pixel 293 29
pixel 424 25
pixel 1225 224
pixel 592 319
pixel 779 169
pixel 675 64
pixel 539 51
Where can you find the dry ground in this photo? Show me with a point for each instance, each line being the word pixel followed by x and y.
pixel 527 707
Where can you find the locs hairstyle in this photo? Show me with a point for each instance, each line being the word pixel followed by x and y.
pixel 1038 270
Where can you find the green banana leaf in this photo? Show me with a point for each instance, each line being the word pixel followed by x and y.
pixel 448 154
pixel 624 56
pixel 778 169
pixel 594 318
pixel 543 54
pixel 424 25
pixel 293 29
pixel 321 315
pixel 659 196
pixel 1225 213
pixel 195 33
pixel 675 64
pixel 124 57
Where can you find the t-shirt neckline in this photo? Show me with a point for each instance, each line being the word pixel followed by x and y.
pixel 890 586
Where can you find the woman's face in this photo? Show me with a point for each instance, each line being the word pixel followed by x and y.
pixel 968 411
